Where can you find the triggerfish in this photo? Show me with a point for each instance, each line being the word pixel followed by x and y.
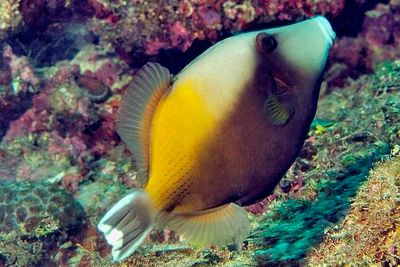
pixel 218 135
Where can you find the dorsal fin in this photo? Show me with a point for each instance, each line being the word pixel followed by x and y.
pixel 139 102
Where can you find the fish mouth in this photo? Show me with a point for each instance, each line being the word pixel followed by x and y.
pixel 326 29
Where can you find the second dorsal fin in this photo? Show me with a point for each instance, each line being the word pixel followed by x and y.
pixel 139 102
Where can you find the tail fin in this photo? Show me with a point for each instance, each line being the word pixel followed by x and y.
pixel 127 224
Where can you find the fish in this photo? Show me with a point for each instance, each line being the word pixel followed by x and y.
pixel 217 136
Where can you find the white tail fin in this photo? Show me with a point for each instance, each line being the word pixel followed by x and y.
pixel 127 224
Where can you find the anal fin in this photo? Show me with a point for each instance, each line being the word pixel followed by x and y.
pixel 219 226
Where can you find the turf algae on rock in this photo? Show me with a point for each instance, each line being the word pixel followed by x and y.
pixel 369 234
pixel 291 229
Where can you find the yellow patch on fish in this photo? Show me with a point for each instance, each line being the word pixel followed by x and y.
pixel 182 118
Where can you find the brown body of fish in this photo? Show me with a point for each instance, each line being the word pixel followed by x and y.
pixel 248 155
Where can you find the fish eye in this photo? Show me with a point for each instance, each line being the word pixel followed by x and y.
pixel 265 43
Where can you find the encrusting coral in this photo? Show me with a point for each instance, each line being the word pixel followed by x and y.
pixel 32 216
pixel 24 206
pixel 147 27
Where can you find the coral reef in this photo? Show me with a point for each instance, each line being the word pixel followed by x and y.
pixel 150 26
pixel 379 40
pixel 33 215
pixel 10 17
pixel 17 84
pixel 146 26
pixel 63 68
pixel 369 234
pixel 55 136
pixel 381 32
pixel 66 137
pixel 56 30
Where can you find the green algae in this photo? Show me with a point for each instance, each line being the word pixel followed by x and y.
pixel 293 227
pixel 387 76
pixel 369 235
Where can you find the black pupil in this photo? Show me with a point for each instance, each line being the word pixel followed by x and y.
pixel 269 43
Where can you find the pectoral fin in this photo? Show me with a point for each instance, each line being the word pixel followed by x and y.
pixel 278 112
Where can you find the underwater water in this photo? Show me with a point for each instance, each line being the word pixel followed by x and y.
pixel 66 67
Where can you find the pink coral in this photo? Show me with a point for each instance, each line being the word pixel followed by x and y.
pixel 100 11
pixel 149 26
pixel 5 74
pixel 77 145
pixel 210 17
pixel 40 101
pixel 346 57
pixel 43 15
pixel 180 37
pixel 257 208
pixel 31 121
pixel 23 171
pixel 105 137
pixel 64 73
pixel 56 145
pixel 261 206
pixel 20 67
pixel 153 46
pixel 381 32
pixel 379 40
pixel 63 113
